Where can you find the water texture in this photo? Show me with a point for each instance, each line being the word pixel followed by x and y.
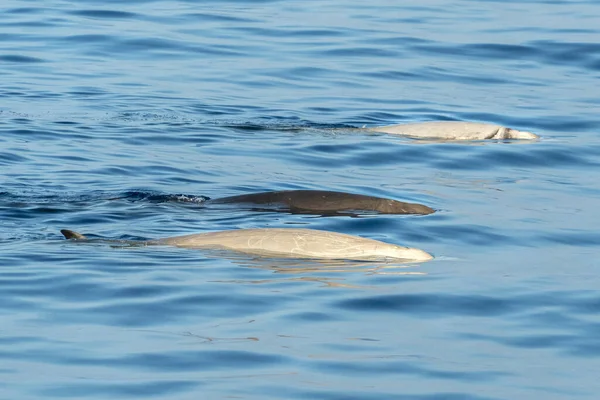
pixel 118 119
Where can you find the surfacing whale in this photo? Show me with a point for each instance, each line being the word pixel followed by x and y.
pixel 454 130
pixel 284 243
pixel 324 203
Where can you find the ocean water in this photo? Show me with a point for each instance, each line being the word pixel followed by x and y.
pixel 113 112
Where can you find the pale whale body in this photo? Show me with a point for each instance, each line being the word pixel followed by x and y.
pixel 324 202
pixel 286 243
pixel 454 130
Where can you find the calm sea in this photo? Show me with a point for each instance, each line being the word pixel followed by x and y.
pixel 149 101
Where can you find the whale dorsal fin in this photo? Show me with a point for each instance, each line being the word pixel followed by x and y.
pixel 72 234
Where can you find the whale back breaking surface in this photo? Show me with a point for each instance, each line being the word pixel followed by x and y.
pixel 288 243
pixel 454 130
pixel 297 243
pixel 325 202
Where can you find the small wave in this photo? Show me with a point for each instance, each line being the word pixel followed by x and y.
pixel 32 198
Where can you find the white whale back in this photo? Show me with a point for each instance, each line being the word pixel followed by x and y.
pixel 454 130
pixel 297 243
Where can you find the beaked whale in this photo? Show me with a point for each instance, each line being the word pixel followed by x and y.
pixel 454 130
pixel 284 243
pixel 324 202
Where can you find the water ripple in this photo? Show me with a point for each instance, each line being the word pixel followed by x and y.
pixel 108 14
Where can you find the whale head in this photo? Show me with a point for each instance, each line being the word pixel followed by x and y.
pixel 510 133
pixel 398 207
pixel 404 253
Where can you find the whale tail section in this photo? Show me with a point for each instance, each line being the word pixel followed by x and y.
pixel 72 235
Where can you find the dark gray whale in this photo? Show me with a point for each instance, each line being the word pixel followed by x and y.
pixel 324 202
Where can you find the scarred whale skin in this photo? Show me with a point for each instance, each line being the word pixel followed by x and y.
pixel 454 130
pixel 325 202
pixel 286 243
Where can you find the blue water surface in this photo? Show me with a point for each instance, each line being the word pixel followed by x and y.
pixel 112 112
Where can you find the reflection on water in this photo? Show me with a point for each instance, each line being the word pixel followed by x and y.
pixel 196 338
